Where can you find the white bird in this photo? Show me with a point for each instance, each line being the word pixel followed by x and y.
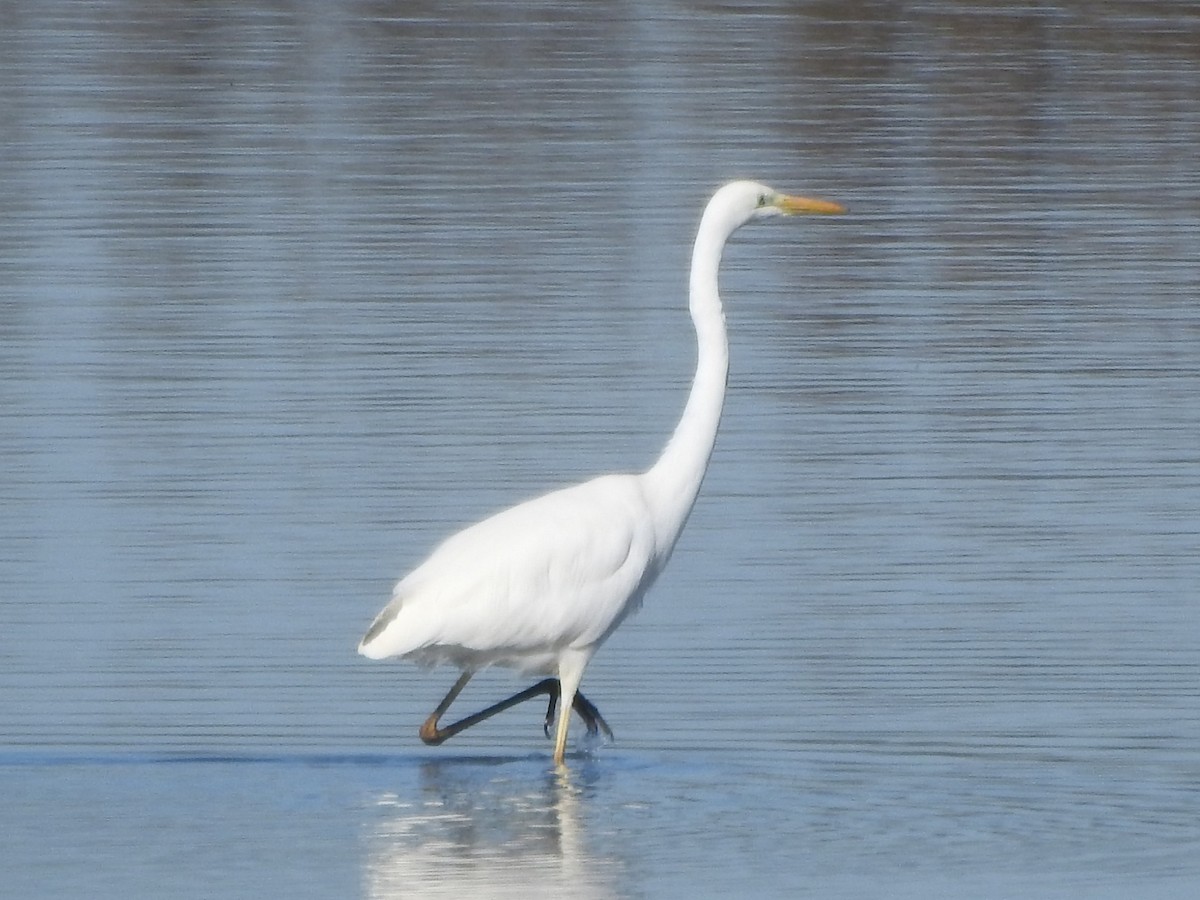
pixel 540 586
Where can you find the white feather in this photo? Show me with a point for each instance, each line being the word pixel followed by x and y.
pixel 542 585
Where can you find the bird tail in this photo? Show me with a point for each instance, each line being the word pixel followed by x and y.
pixel 369 646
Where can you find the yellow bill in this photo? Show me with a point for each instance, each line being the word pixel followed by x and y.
pixel 795 205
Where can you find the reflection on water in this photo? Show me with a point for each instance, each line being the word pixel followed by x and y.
pixel 474 829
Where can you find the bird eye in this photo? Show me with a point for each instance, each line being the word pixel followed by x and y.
pixel 762 200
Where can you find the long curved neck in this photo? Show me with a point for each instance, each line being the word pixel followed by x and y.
pixel 673 482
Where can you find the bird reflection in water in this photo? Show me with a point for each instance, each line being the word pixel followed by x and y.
pixel 480 829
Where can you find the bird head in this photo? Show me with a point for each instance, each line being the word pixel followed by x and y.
pixel 746 200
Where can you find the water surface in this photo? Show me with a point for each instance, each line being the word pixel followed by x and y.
pixel 289 293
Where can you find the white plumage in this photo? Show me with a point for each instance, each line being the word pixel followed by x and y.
pixel 583 552
pixel 541 585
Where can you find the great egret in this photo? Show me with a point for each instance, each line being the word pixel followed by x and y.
pixel 540 586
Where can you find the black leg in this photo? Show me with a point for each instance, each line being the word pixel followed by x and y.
pixel 587 711
pixel 433 735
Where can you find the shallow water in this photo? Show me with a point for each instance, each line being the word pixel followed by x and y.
pixel 288 294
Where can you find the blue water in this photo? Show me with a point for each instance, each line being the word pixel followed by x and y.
pixel 288 294
pixel 613 825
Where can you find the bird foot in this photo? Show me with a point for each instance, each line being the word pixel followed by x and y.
pixel 592 720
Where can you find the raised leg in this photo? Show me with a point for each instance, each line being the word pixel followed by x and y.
pixel 433 735
pixel 430 733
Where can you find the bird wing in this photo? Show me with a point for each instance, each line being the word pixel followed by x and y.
pixel 556 571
